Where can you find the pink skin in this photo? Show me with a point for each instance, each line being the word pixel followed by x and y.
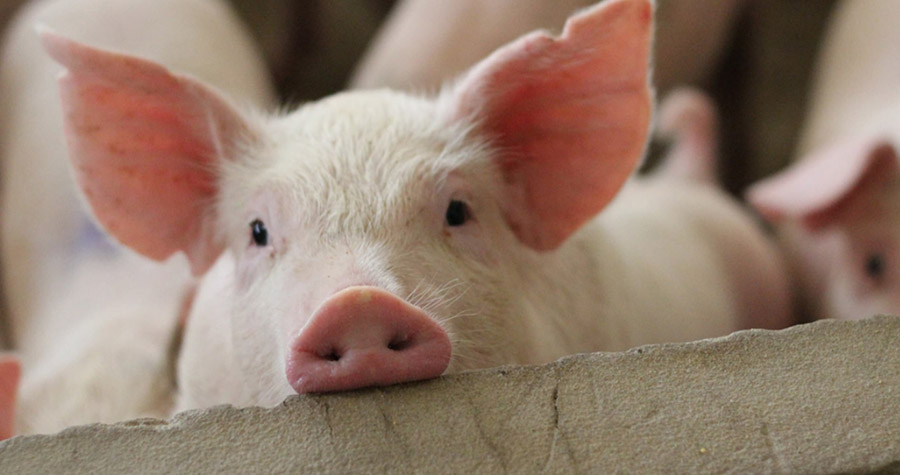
pixel 365 336
pixel 10 372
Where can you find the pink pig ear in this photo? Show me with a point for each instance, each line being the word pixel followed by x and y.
pixel 569 117
pixel 813 189
pixel 145 146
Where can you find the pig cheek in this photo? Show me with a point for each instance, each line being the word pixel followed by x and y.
pixel 479 241
pixel 475 316
pixel 254 265
pixel 259 342
pixel 471 245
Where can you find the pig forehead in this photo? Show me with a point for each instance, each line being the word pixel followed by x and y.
pixel 377 140
pixel 365 113
pixel 358 160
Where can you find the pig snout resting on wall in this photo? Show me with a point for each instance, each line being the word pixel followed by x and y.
pixel 375 237
pixel 93 322
pixel 837 208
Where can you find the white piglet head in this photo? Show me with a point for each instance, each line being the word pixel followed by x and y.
pixel 376 237
pixel 841 206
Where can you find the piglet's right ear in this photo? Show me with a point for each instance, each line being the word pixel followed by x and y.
pixel 145 146
pixel 567 116
pixel 813 189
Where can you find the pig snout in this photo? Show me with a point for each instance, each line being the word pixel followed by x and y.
pixel 365 336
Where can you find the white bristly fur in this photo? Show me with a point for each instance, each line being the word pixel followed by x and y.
pixel 353 189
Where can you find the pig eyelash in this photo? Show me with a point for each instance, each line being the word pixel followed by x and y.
pixel 258 233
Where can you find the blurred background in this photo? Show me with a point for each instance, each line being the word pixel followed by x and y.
pixel 755 58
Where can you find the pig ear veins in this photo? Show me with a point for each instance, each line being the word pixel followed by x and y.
pixel 814 189
pixel 145 146
pixel 568 116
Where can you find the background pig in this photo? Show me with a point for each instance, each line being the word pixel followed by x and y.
pixel 93 322
pixel 376 237
pixel 426 42
pixel 839 207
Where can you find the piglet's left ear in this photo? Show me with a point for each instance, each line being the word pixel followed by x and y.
pixel 568 117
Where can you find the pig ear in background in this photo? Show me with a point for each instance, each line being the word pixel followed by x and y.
pixel 689 118
pixel 568 116
pixel 145 145
pixel 10 371
pixel 813 188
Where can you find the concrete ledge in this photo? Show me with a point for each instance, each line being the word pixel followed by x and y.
pixel 819 398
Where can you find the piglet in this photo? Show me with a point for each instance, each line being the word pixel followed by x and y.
pixel 377 237
pixel 93 322
pixel 838 207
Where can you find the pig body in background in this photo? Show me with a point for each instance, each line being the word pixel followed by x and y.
pixel 837 208
pixel 93 322
pixel 426 42
pixel 376 237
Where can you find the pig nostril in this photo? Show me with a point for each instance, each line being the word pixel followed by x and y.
pixel 399 344
pixel 331 355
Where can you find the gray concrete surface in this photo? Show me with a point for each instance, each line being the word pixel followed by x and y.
pixel 818 398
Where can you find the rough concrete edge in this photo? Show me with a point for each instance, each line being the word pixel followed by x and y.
pixel 196 419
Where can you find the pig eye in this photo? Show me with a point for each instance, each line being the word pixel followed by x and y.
pixel 875 265
pixel 259 233
pixel 457 213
